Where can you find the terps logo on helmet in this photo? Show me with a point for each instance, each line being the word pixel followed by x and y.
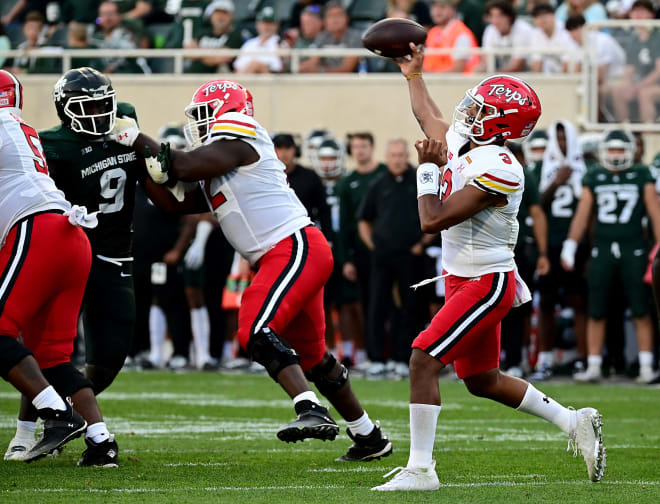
pixel 223 86
pixel 510 94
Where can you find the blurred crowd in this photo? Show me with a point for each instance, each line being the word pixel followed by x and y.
pixel 628 59
pixel 188 279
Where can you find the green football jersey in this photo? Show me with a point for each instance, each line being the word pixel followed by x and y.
pixel 619 203
pixel 101 175
pixel 530 197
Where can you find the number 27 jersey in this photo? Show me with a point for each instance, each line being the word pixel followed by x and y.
pixel 483 243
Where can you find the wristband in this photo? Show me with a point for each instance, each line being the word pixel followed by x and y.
pixel 428 175
pixel 412 75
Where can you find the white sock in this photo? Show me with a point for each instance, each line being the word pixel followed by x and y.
pixel 545 360
pixel 423 419
pixel 595 361
pixel 48 398
pixel 228 349
pixel 157 330
pixel 645 359
pixel 538 404
pixel 360 356
pixel 347 349
pixel 306 396
pixel 201 330
pixel 25 429
pixel 362 426
pixel 97 432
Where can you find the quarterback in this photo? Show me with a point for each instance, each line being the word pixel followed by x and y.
pixel 469 186
pixel 281 319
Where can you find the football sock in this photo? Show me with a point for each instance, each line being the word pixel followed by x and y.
pixel 97 432
pixel 347 349
pixel 306 396
pixel 157 329
pixel 645 359
pixel 48 398
pixel 362 426
pixel 228 349
pixel 595 361
pixel 538 404
pixel 201 330
pixel 423 419
pixel 545 360
pixel 25 430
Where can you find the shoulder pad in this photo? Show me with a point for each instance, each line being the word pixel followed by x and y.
pixel 234 125
pixel 126 110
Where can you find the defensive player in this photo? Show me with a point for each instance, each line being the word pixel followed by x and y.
pixel 619 195
pixel 44 262
pixel 281 319
pixel 474 203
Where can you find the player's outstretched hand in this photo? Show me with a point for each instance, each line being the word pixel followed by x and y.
pixel 431 151
pixel 157 166
pixel 412 64
pixel 125 131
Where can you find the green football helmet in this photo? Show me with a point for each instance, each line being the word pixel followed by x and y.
pixel 617 150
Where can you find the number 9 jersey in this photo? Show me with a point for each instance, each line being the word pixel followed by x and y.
pixel 483 243
pixel 100 175
pixel 25 187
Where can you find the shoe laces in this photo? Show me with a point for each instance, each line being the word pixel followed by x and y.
pixel 402 473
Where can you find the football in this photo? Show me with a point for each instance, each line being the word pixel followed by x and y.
pixel 391 37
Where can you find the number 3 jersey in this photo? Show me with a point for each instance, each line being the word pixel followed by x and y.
pixel 100 175
pixel 254 204
pixel 619 204
pixel 25 187
pixel 483 243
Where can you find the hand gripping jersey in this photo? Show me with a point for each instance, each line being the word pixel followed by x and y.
pixel 25 187
pixel 254 204
pixel 483 243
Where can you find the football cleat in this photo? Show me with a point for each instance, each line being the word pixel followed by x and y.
pixel 373 446
pixel 18 448
pixel 647 375
pixel 543 373
pixel 313 422
pixel 104 454
pixel 60 427
pixel 592 374
pixel 411 478
pixel 587 438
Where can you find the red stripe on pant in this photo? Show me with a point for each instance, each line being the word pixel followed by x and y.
pixel 286 295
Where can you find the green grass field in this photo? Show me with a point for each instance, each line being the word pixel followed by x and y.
pixel 211 437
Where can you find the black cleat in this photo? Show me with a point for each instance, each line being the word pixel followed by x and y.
pixel 60 427
pixel 365 448
pixel 313 422
pixel 105 454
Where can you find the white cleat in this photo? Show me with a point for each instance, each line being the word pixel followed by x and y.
pixel 647 375
pixel 591 375
pixel 18 448
pixel 411 478
pixel 587 438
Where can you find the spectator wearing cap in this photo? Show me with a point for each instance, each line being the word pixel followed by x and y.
pixel 450 33
pixel 505 31
pixel 305 182
pixel 221 34
pixel 297 8
pixel 550 34
pixel 336 34
pixel 267 39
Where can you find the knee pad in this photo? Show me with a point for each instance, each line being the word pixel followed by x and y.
pixel 271 351
pixel 66 379
pixel 11 353
pixel 329 375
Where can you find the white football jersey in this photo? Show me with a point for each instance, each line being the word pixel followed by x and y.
pixel 254 204
pixel 483 243
pixel 25 187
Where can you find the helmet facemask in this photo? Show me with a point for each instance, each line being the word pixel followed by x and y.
pixel 329 160
pixel 91 115
pixel 201 117
pixel 469 117
pixel 616 153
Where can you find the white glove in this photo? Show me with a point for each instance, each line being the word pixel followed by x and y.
pixel 125 131
pixel 567 256
pixel 428 175
pixel 155 170
pixel 79 217
pixel 194 257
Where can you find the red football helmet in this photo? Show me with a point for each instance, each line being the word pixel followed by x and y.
pixel 11 91
pixel 209 102
pixel 501 107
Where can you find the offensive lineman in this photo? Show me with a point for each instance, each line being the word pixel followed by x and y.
pixel 281 318
pixel 480 192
